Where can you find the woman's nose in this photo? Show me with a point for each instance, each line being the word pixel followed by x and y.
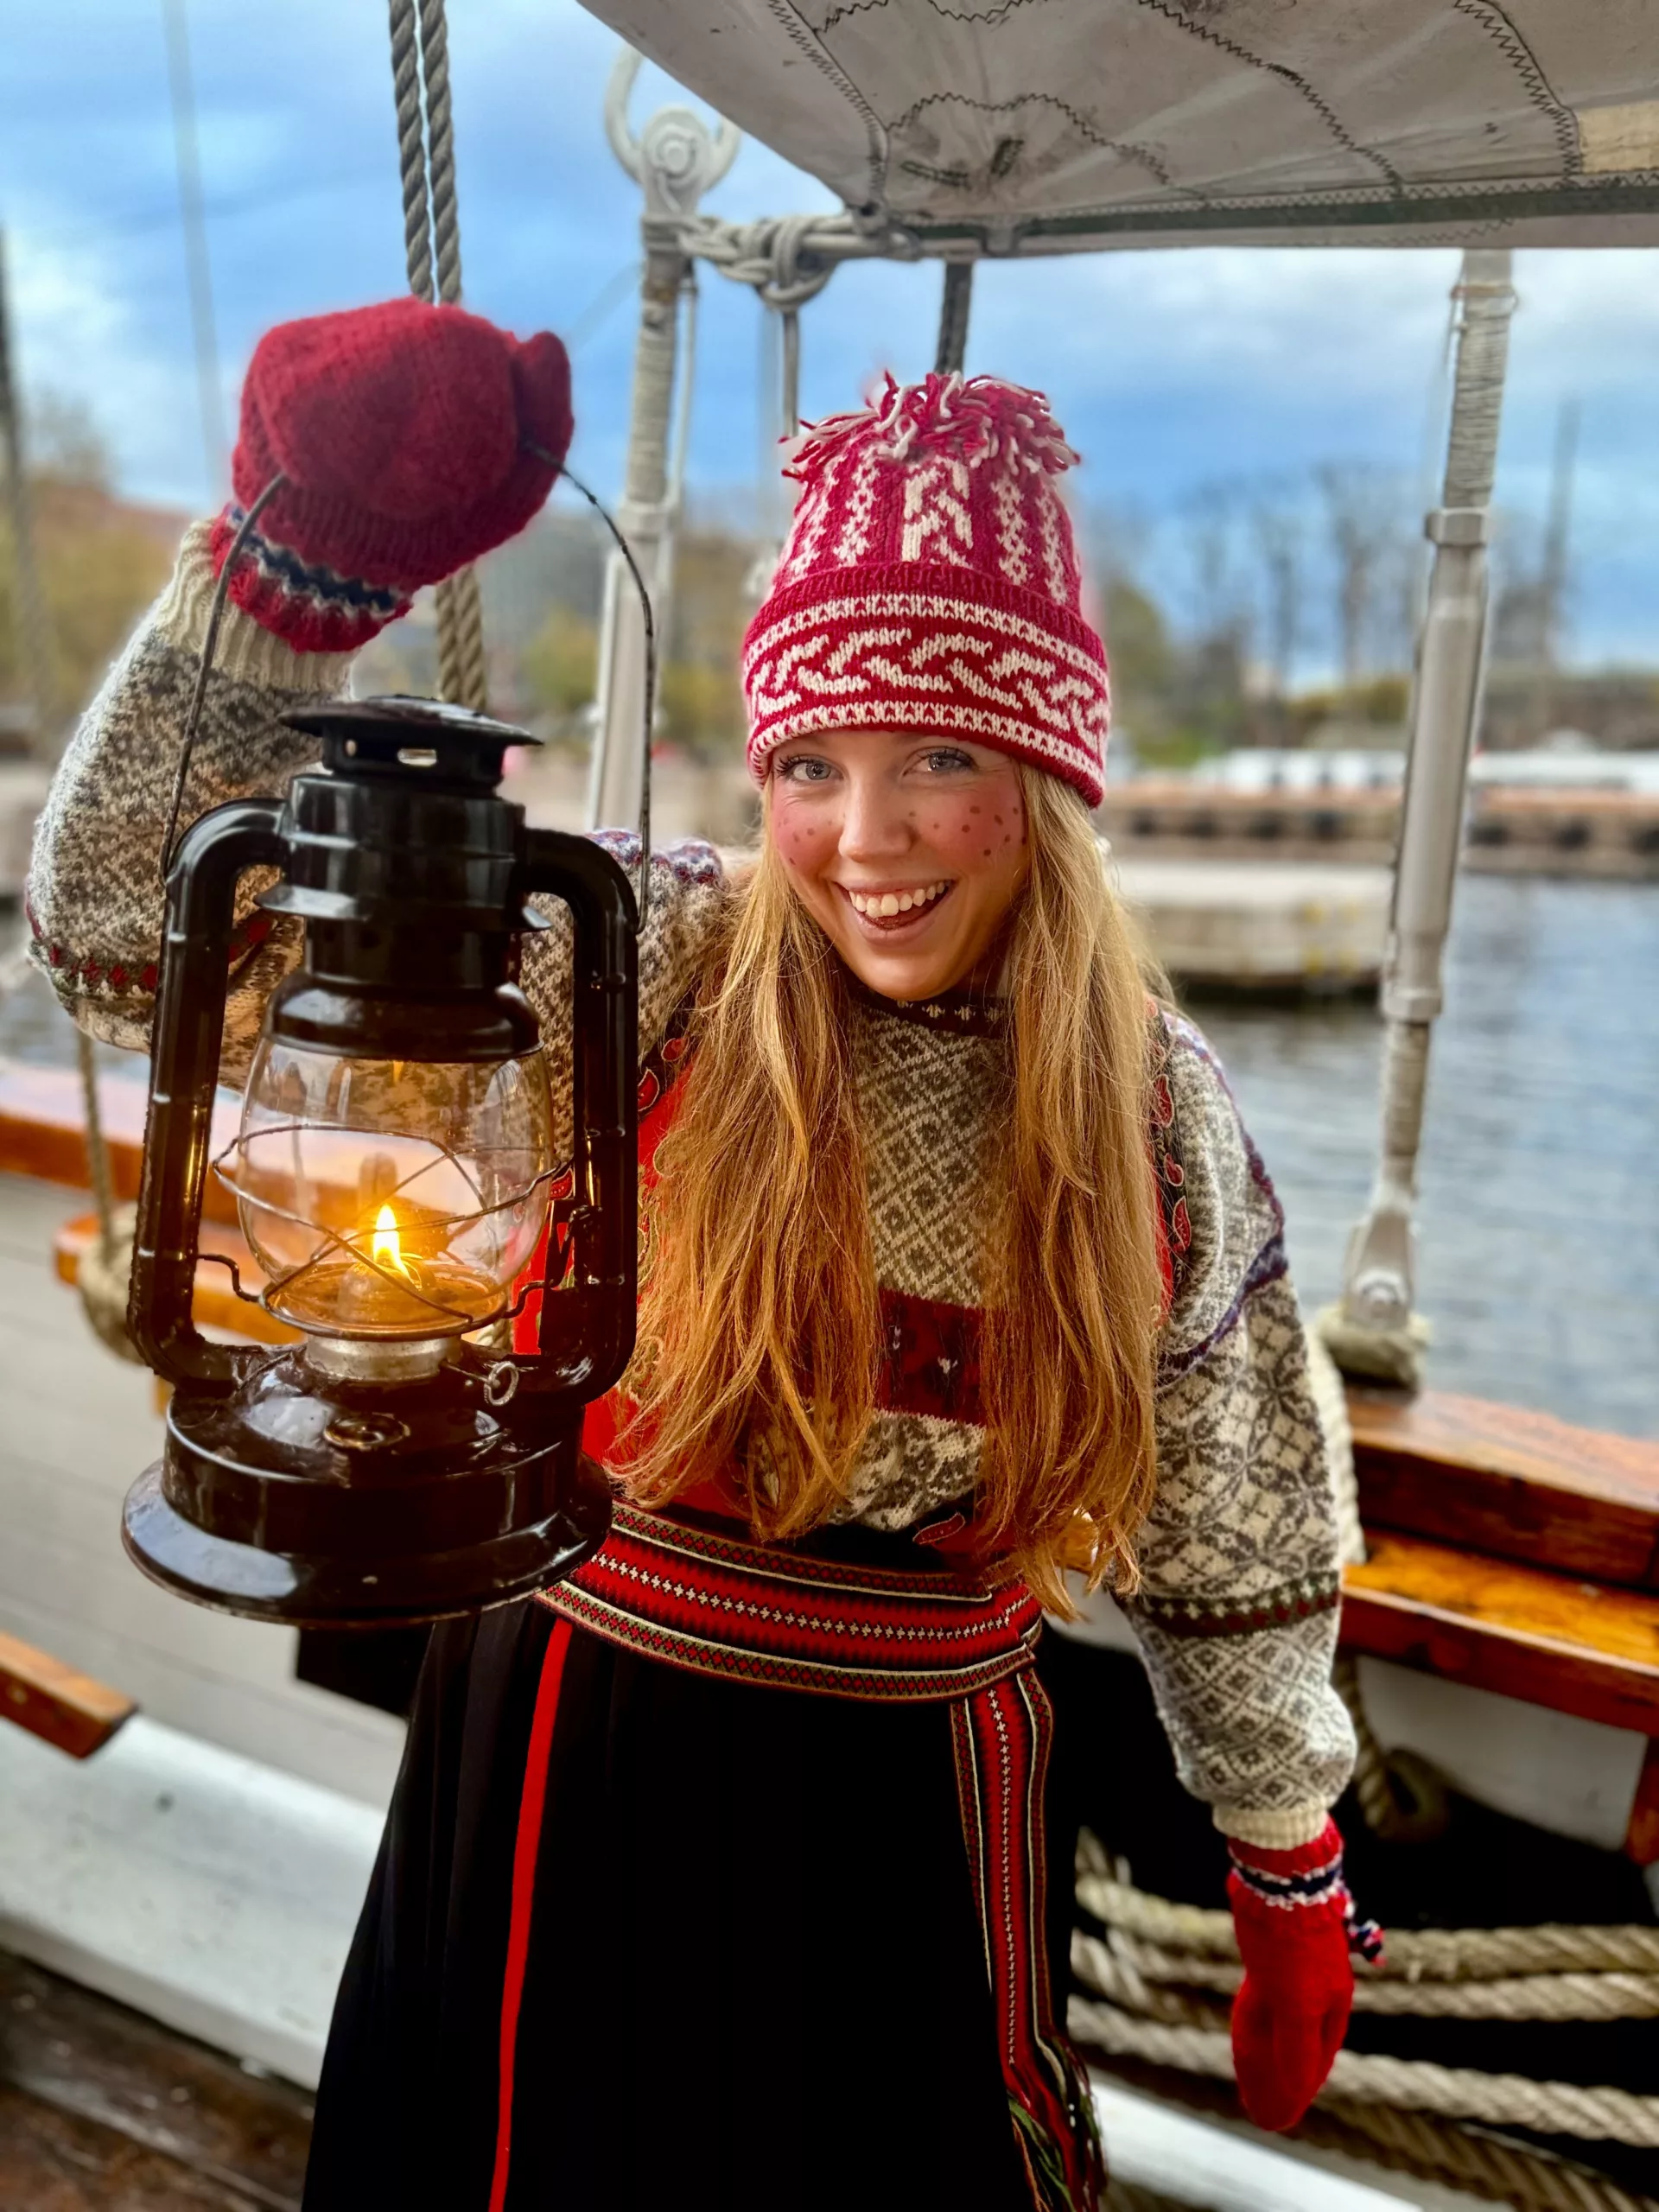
pixel 874 821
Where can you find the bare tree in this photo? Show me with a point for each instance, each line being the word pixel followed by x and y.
pixel 1278 529
pixel 1360 513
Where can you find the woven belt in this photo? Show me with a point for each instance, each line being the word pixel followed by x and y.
pixel 714 1604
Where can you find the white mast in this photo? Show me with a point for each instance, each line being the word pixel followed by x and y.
pixel 1375 1331
pixel 675 159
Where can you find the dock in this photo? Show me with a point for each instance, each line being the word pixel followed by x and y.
pixel 1261 926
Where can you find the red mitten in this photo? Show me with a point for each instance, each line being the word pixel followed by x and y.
pixel 1295 1924
pixel 402 430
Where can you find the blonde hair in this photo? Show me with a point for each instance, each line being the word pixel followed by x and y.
pixel 759 1333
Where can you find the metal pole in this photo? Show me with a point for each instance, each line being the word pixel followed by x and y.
pixel 28 605
pixel 953 316
pixel 644 515
pixel 1375 1329
pixel 675 159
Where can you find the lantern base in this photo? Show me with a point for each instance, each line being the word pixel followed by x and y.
pixel 303 1590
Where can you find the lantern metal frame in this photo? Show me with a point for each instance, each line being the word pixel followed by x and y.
pixel 344 1482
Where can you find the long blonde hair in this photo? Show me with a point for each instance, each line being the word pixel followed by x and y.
pixel 759 1334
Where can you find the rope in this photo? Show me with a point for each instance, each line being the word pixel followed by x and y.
pixel 1414 1954
pixel 1503 2173
pixel 105 1268
pixel 411 150
pixel 1127 1969
pixel 426 159
pixel 441 148
pixel 775 255
pixel 1523 2177
pixel 1453 2092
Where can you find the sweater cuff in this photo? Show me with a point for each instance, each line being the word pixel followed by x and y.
pixel 1283 1829
pixel 245 653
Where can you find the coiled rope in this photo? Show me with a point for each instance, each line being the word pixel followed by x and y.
pixel 1452 2092
pixel 426 155
pixel 1149 1979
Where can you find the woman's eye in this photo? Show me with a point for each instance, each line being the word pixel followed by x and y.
pixel 946 758
pixel 803 767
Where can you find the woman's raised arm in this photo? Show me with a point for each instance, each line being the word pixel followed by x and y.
pixel 404 433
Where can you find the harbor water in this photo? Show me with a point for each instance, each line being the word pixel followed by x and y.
pixel 1538 1224
pixel 1538 1227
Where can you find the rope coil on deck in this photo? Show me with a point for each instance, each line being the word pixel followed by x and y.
pixel 1453 2092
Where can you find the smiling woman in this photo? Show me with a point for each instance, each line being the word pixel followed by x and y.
pixel 958 1271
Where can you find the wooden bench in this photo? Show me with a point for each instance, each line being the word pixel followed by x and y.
pixel 1514 1553
pixel 53 1702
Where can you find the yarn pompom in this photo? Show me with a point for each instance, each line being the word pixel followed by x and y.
pixel 971 419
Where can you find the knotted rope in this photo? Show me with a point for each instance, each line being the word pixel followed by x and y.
pixel 104 1271
pixel 426 155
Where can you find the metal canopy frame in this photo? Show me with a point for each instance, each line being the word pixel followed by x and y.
pixel 1374 1328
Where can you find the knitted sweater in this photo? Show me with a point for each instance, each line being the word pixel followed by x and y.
pixel 1236 1617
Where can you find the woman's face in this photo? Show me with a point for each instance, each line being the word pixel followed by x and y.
pixel 909 850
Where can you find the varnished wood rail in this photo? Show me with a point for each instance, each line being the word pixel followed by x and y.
pixel 1509 1482
pixel 43 1132
pixel 53 1702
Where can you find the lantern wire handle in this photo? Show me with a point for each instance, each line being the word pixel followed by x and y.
pixel 216 613
pixel 540 453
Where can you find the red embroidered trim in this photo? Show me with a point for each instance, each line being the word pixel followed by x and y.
pixel 1295 1601
pixel 1002 1739
pixel 95 979
pixel 526 1846
pixel 715 1605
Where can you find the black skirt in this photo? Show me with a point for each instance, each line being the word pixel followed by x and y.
pixel 750 1972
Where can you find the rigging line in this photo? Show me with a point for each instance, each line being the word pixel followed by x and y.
pixel 610 296
pixel 649 625
pixel 187 153
pixel 193 718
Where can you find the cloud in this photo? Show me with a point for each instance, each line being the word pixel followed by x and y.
pixel 1170 370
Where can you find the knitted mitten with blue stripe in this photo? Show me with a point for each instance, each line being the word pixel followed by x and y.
pixel 1296 1928
pixel 402 430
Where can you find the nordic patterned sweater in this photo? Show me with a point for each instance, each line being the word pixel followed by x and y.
pixel 1236 1614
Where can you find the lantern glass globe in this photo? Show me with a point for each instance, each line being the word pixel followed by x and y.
pixel 392 1199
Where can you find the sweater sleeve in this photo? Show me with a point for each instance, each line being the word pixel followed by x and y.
pixel 95 897
pixel 1237 1612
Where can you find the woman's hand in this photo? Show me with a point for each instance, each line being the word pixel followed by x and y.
pixel 1296 1928
pixel 403 432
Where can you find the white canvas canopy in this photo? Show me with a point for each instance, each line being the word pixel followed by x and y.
pixel 1055 125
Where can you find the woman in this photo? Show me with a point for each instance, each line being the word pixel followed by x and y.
pixel 715 1876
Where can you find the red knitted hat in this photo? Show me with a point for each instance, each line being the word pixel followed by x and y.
pixel 930 581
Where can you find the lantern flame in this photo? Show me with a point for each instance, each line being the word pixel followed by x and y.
pixel 386 1246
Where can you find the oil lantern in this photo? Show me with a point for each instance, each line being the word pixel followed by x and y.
pixel 393 1173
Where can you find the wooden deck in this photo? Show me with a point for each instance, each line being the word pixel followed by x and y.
pixel 103 2111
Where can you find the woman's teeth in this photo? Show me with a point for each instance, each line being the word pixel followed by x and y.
pixel 895 902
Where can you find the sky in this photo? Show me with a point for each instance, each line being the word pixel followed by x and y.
pixel 1170 370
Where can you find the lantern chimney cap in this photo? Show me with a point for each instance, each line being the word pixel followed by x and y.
pixel 397 734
